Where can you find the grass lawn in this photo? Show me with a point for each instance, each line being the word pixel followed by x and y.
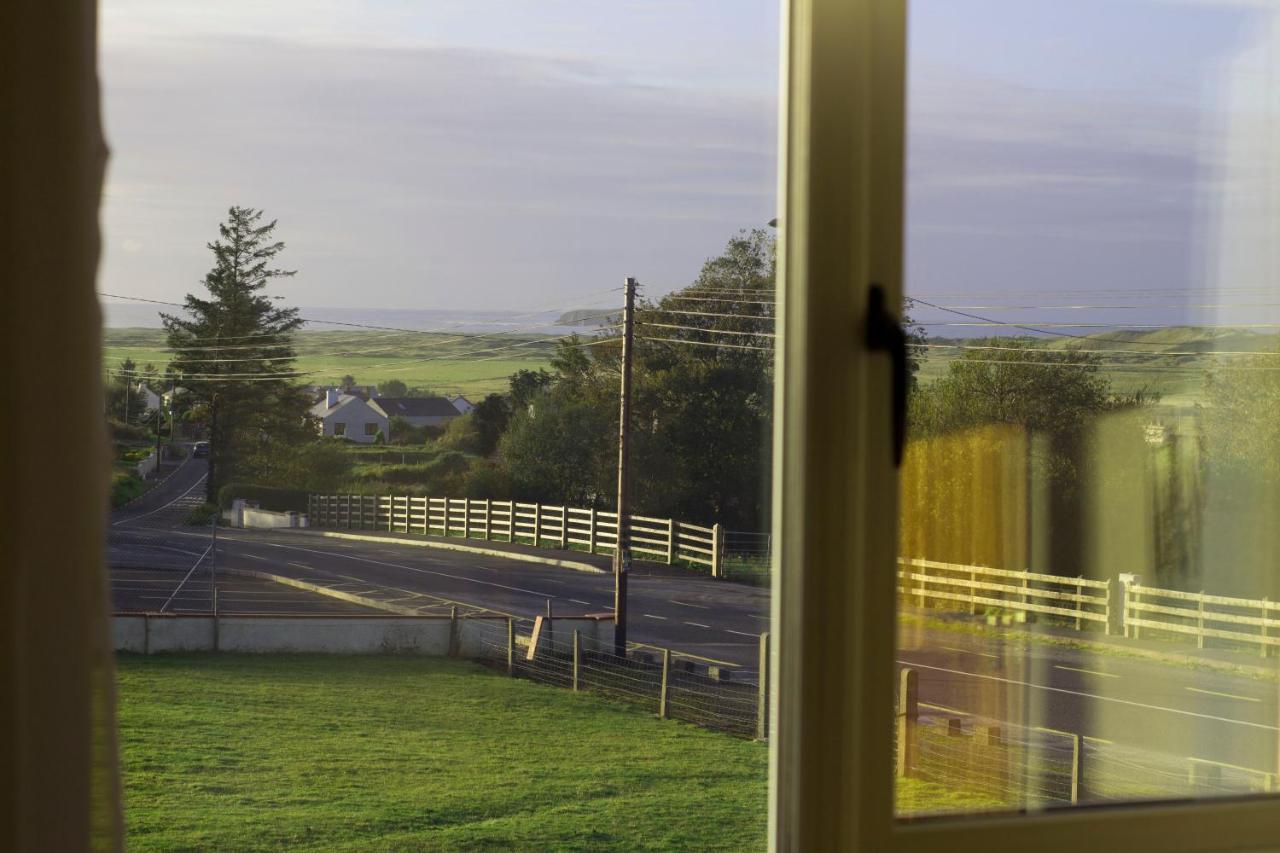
pixel 238 752
pixel 444 363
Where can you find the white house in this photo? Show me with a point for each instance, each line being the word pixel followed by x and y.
pixel 418 411
pixel 348 416
pixel 151 397
pixel 462 404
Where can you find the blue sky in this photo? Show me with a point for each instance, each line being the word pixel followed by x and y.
pixel 504 154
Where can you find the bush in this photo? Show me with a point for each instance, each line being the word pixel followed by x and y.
pixel 276 500
pixel 203 515
pixel 125 486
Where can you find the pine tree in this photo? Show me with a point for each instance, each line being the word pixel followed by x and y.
pixel 234 351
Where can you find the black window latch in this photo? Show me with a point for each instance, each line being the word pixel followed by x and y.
pixel 885 333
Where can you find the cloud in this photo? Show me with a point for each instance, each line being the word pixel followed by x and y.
pixel 426 177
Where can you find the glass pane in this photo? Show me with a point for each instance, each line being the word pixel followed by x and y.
pixel 380 580
pixel 1088 543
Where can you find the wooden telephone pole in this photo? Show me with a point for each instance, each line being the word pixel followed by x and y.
pixel 622 553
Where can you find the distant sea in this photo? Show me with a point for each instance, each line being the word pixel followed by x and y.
pixel 136 315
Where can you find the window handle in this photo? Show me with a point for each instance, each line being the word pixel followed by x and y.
pixel 885 333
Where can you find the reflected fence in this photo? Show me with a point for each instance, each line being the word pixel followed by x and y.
pixel 1012 766
pixel 1120 606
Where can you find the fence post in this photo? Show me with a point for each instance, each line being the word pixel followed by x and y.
pixel 1200 621
pixel 1137 614
pixel 391 513
pixel 973 591
pixel 908 714
pixel 671 541
pixel 1079 602
pixel 466 518
pixel 666 680
pixel 1265 610
pixel 591 532
pixel 717 570
pixel 924 574
pixel 537 524
pixel 762 690
pixel 488 519
pixel 1077 769
pixel 511 646
pixel 564 527
pixel 577 658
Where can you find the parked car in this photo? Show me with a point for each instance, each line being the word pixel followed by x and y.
pixel 201 449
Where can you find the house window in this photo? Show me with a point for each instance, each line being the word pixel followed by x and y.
pixel 339 428
pixel 371 428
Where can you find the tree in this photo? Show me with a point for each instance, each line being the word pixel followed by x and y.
pixel 702 403
pixel 124 403
pixel 490 418
pixel 235 351
pixel 393 388
pixel 347 382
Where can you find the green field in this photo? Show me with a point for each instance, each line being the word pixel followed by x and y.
pixel 446 364
pixel 380 753
pixel 1166 361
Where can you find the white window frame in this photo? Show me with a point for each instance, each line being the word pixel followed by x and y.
pixel 836 491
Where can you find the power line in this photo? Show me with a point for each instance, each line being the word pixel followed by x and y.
pixel 987 320
pixel 704 343
pixel 1151 354
pixel 708 314
pixel 716 299
pixel 710 331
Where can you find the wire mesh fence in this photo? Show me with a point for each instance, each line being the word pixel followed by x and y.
pixel 1015 766
pixel 668 685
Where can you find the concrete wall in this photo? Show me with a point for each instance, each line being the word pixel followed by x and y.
pixel 422 635
pixel 282 634
pixel 262 518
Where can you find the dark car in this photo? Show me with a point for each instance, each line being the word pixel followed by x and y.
pixel 201 449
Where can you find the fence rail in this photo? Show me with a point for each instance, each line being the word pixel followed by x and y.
pixel 595 531
pixel 1120 606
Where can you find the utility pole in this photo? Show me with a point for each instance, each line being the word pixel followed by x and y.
pixel 622 553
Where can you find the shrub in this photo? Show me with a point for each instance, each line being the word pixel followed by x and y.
pixel 276 500
pixel 203 515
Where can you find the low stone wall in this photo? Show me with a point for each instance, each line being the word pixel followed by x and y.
pixel 349 635
pixel 353 635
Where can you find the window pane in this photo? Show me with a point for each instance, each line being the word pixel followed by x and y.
pixel 1088 546
pixel 394 246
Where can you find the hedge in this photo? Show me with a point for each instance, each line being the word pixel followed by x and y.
pixel 268 497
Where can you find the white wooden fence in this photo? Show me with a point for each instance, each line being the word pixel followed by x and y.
pixel 594 531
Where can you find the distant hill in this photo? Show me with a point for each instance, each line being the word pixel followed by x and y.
pixel 588 317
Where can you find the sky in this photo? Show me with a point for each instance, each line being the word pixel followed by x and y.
pixel 503 154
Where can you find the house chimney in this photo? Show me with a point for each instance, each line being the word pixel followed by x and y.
pixel 331 396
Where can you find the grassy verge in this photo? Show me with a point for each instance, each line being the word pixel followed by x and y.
pixel 392 753
pixel 381 753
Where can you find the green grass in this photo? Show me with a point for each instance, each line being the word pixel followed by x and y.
pixel 379 753
pixel 442 363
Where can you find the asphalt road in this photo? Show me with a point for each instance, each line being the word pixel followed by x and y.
pixel 1166 708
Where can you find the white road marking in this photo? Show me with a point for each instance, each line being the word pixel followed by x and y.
pixel 1223 695
pixel 1085 671
pixel 1112 699
pixel 968 651
pixel 580 601
pixel 741 633
pixel 758 616
pixel 944 709
pixel 651 616
pixel 697 625
pixel 687 604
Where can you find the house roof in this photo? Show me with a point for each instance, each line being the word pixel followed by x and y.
pixel 415 407
pixel 322 408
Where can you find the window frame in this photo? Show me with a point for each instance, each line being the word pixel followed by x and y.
pixel 340 429
pixel 841 192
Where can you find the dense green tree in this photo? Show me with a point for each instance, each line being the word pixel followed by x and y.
pixel 702 403
pixel 490 417
pixel 393 388
pixel 234 349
